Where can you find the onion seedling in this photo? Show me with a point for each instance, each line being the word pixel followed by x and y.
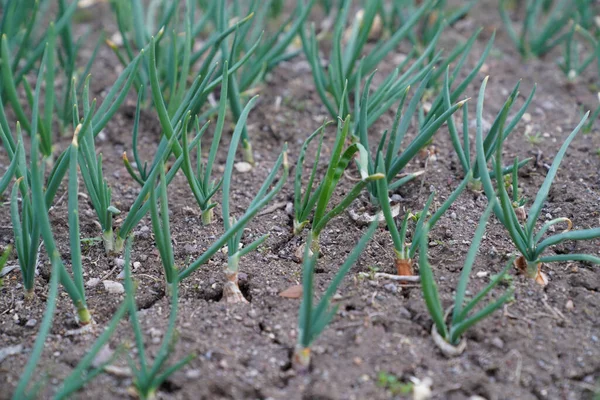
pixel 448 336
pixel 530 244
pixel 395 160
pixel 148 377
pixel 265 55
pixel 312 320
pixel 233 85
pixel 573 63
pixel 202 191
pixel 319 199
pixel 234 228
pixel 235 251
pixel 463 147
pixel 26 228
pixel 74 286
pixel 405 252
pixel 22 392
pixel 542 27
pixel 344 56
pixel 273 49
pixel 438 14
pixel 91 171
pixel 162 230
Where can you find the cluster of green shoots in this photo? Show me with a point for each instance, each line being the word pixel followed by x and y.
pixel 520 225
pixel 176 57
pixel 542 27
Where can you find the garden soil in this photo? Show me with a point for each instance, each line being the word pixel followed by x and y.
pixel 543 344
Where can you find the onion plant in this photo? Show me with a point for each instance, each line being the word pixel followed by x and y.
pixel 394 159
pixel 267 53
pixel 448 334
pixel 26 228
pixel 235 250
pixel 149 376
pixel 345 57
pixel 9 85
pixel 462 145
pixel 574 63
pixel 162 230
pixel 522 231
pixel 91 171
pixel 73 285
pixel 314 318
pixel 439 13
pixel 202 188
pixel 60 61
pixel 272 49
pixel 22 391
pixel 542 26
pixel 404 251
pixel 175 57
pixel 85 371
pixel 319 198
pixel 234 227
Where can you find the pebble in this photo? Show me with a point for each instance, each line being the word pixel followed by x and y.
pixel 136 265
pixel 242 166
pixel 92 282
pixel 120 262
pixel 569 306
pixel 193 374
pixel 453 215
pixel 31 323
pixel 113 287
pixel 391 287
pixel 498 343
pixel 252 313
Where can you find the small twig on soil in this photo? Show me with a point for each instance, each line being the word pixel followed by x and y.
pixel 556 312
pixel 406 278
pixel 511 316
pixel 273 208
pixel 60 199
pixel 109 273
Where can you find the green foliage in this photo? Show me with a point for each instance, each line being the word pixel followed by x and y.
pixel 542 27
pixel 402 250
pixel 462 319
pixel 530 244
pixel 395 160
pixel 93 177
pixel 313 319
pixel 148 377
pixel 463 147
pixel 235 250
pixel 346 61
pixel 319 198
pixel 574 62
pixel 390 382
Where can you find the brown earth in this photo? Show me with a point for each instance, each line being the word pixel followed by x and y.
pixel 537 347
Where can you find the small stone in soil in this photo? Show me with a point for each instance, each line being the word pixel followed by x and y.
pixel 31 323
pixel 391 287
pixel 193 374
pixel 497 342
pixel 92 282
pixel 113 287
